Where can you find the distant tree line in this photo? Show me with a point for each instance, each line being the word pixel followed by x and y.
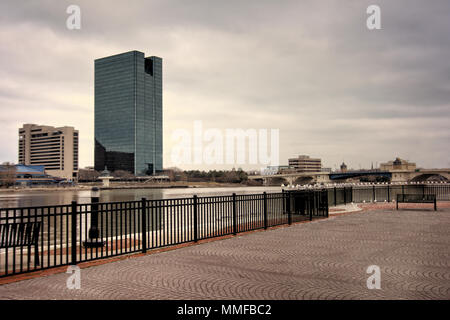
pixel 175 174
pixel 230 176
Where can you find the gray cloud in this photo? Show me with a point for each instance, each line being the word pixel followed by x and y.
pixel 309 68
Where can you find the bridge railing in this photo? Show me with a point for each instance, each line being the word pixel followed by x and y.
pixel 384 193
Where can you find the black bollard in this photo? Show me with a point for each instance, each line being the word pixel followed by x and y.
pixel 94 233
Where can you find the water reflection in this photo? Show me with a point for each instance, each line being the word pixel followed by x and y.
pixel 59 197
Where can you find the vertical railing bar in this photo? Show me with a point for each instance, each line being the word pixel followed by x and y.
pixel 163 224
pixel 265 209
pixel 61 236
pixel 207 218
pixel 18 239
pixel 217 222
pixel 166 223
pixel 48 235
pixel 14 248
pixel 54 236
pixel 135 205
pixel 185 220
pixel 74 232
pixel 195 216
pixel 169 222
pixel 144 224
pixel 120 227
pixel 86 232
pixel 154 225
pixel 101 210
pixel 173 221
pixel 234 214
pixel 176 224
pixel 36 247
pixel 159 218
pixel 108 238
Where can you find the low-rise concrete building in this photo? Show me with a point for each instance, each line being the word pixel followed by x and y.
pixel 305 163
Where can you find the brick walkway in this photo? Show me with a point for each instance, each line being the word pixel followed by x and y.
pixel 325 259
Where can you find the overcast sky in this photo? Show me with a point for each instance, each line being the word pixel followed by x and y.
pixel 312 69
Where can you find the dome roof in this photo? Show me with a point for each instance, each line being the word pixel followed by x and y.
pixel 105 173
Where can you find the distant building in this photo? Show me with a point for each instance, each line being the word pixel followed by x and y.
pixel 305 164
pixel 27 175
pixel 54 148
pixel 398 164
pixel 128 113
pixel 271 170
pixel 343 167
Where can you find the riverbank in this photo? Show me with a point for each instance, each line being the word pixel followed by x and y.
pixel 125 185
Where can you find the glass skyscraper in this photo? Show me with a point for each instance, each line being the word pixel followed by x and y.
pixel 128 113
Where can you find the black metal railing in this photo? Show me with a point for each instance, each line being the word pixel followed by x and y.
pixel 75 233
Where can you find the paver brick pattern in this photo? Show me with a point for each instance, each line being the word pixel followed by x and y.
pixel 325 259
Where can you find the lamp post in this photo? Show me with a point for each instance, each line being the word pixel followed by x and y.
pixel 94 234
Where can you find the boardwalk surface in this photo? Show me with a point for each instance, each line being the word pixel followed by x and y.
pixel 325 259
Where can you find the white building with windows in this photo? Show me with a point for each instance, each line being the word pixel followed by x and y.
pixel 54 148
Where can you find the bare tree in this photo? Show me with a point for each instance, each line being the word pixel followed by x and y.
pixel 87 175
pixel 7 174
pixel 175 174
pixel 123 175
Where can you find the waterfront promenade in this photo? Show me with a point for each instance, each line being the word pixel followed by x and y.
pixel 324 259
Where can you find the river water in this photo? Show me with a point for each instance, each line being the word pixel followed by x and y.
pixel 59 197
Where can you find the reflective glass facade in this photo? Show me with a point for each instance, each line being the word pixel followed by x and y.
pixel 128 113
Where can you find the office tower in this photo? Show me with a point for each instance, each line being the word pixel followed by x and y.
pixel 128 113
pixel 54 148
pixel 305 164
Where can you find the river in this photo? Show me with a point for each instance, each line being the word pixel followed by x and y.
pixel 58 197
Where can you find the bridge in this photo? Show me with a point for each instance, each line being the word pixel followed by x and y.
pixel 327 177
pixel 420 175
pixel 293 178
pixel 356 174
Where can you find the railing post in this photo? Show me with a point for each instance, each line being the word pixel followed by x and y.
pixel 326 201
pixel 403 189
pixel 373 193
pixel 335 197
pixel 94 232
pixel 388 194
pixel 289 208
pixel 351 195
pixel 195 218
pixel 345 196
pixel 144 224
pixel 74 232
pixel 234 214
pixel 265 210
pixel 313 207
